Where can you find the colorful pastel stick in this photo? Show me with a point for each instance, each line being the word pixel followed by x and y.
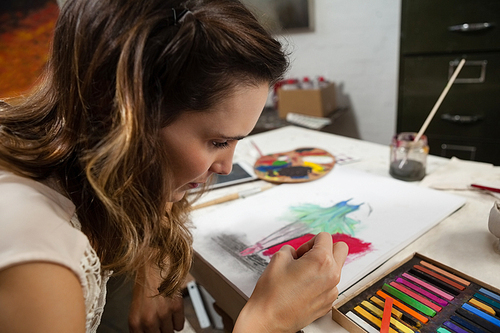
pixel 482 306
pixel 416 296
pixel 406 309
pixel 430 287
pixel 387 319
pixel 435 282
pixel 490 294
pixel 487 300
pixel 478 320
pixel 445 273
pixel 482 314
pixel 386 316
pixel 467 324
pixel 374 320
pixel 370 306
pixel 427 294
pixel 361 323
pixel 455 328
pixel 398 314
pixel 381 304
pixel 409 300
pixel 443 330
pixel 440 277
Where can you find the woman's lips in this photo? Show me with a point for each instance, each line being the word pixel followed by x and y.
pixel 193 185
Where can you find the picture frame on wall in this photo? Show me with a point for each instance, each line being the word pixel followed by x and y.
pixel 284 16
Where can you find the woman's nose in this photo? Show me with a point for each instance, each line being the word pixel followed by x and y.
pixel 223 166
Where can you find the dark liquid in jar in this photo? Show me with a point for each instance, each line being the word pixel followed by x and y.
pixel 409 170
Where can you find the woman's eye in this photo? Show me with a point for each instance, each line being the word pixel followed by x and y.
pixel 224 144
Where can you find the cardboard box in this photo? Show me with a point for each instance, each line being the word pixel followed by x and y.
pixel 312 102
pixel 339 310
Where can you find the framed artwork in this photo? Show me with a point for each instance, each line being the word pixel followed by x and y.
pixel 26 30
pixel 282 16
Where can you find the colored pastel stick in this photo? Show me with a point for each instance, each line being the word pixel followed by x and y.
pixel 374 320
pixel 386 315
pixel 490 294
pixel 380 303
pixel 487 300
pixel 477 320
pixel 445 273
pixel 370 306
pixel 409 300
pixel 440 277
pixel 387 319
pixel 430 287
pixel 427 294
pixel 443 330
pixel 417 297
pixel 361 323
pixel 482 314
pixel 467 324
pixel 455 328
pixel 435 282
pixel 398 314
pixel 400 326
pixel 406 309
pixel 482 306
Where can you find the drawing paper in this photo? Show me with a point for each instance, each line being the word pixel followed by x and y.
pixel 377 216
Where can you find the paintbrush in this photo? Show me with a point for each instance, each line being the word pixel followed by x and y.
pixel 434 109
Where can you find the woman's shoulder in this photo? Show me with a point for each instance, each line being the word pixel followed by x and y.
pixel 35 224
pixel 24 192
pixel 39 225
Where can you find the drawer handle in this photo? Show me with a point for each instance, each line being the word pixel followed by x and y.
pixel 482 75
pixel 471 27
pixel 456 118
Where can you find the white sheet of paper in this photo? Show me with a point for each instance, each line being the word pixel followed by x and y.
pixel 391 215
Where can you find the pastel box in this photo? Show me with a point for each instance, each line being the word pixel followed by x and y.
pixel 428 297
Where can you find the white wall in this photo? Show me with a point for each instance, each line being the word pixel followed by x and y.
pixel 355 44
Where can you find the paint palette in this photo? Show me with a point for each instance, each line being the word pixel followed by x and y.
pixel 427 297
pixel 296 166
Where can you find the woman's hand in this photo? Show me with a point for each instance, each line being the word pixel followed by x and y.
pixel 150 312
pixel 297 287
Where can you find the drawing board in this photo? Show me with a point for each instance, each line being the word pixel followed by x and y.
pixel 377 216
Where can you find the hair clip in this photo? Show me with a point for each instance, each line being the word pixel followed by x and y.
pixel 178 15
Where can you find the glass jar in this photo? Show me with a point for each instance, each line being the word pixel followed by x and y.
pixel 408 158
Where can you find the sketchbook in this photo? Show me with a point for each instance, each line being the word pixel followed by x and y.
pixel 376 216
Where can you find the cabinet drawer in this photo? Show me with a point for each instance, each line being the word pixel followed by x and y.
pixel 429 26
pixel 465 149
pixel 472 106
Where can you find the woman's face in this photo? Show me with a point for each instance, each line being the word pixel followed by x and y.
pixel 202 143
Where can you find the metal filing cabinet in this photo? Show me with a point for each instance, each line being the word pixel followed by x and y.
pixel 435 35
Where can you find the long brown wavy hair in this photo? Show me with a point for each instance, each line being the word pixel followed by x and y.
pixel 119 72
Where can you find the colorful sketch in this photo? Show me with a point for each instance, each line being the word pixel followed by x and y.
pixel 296 166
pixel 308 221
pixel 26 29
pixel 383 216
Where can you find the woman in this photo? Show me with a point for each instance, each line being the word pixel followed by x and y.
pixel 141 102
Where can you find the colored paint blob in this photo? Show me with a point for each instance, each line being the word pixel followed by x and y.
pixel 356 246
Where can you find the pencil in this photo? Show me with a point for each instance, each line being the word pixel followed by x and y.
pixel 486 188
pixel 233 196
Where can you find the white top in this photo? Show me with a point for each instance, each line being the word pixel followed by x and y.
pixel 39 224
